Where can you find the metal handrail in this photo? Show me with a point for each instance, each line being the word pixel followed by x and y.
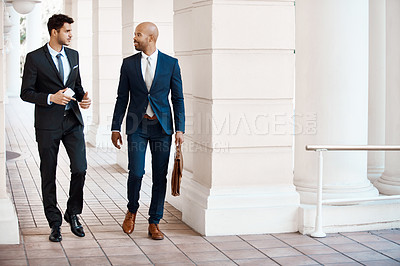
pixel 353 147
pixel 318 232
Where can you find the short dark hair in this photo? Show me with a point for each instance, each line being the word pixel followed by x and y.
pixel 57 22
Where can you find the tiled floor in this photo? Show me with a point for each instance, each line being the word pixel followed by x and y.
pixel 104 207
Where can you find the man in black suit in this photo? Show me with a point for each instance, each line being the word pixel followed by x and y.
pixel 52 81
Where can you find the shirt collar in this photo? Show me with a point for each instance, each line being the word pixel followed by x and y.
pixel 152 56
pixel 54 53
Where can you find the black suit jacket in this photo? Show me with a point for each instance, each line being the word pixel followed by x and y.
pixel 42 78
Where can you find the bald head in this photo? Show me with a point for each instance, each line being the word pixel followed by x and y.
pixel 145 39
pixel 149 28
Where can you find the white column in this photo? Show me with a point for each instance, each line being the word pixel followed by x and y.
pixel 332 85
pixel 13 79
pixel 389 182
pixel 34 29
pixel 70 7
pixel 107 58
pixel 137 11
pixel 2 115
pixel 81 12
pixel 133 13
pixel 376 86
pixel 237 62
pixel 9 231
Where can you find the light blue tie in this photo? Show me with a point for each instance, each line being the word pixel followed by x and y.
pixel 148 79
pixel 60 67
pixel 61 71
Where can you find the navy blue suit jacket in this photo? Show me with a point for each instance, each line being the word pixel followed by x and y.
pixel 132 89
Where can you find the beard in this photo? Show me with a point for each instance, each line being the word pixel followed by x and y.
pixel 64 42
pixel 138 47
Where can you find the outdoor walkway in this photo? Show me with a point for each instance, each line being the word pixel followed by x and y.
pixel 104 208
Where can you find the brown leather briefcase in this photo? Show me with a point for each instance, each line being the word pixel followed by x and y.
pixel 177 172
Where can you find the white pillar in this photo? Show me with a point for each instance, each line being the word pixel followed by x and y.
pixel 107 58
pixel 137 11
pixel 332 85
pixel 389 182
pixel 376 86
pixel 34 29
pixel 133 13
pixel 70 7
pixel 9 231
pixel 13 79
pixel 81 12
pixel 237 63
pixel 2 114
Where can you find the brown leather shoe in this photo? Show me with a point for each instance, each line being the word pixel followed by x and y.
pixel 129 222
pixel 155 233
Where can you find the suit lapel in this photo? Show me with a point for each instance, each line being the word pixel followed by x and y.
pixel 51 62
pixel 72 63
pixel 138 68
pixel 160 59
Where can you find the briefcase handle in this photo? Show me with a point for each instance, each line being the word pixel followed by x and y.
pixel 178 152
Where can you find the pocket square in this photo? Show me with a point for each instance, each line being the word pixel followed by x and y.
pixel 75 67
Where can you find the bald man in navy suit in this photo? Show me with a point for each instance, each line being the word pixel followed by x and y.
pixel 146 81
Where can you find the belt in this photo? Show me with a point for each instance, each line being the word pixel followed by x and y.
pixel 154 117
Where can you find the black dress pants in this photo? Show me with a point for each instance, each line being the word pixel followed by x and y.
pixel 71 134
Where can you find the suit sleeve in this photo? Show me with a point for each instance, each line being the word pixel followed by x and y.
pixel 177 98
pixel 78 89
pixel 122 99
pixel 28 87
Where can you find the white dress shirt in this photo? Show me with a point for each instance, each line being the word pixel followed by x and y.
pixel 153 63
pixel 65 62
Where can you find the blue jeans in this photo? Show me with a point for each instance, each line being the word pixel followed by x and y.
pixel 149 131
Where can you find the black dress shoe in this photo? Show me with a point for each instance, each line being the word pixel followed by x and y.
pixel 55 235
pixel 76 226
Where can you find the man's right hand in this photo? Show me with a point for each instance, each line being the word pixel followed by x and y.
pixel 115 137
pixel 60 98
